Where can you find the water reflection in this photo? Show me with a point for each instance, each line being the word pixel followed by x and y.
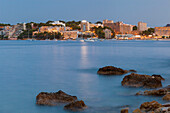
pixel 84 56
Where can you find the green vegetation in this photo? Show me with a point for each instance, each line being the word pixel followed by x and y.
pixel 26 34
pixel 1 24
pixel 135 28
pixel 46 35
pixel 100 31
pixel 2 37
pixel 39 36
pixel 98 22
pixel 74 25
pixel 150 31
pixel 164 37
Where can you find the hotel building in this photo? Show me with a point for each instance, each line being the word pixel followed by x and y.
pixel 142 26
pixel 85 26
pixel 162 31
pixel 118 27
pixel 70 34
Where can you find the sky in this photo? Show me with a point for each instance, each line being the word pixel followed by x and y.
pixel 153 12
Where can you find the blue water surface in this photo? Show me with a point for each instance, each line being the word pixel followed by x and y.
pixel 30 67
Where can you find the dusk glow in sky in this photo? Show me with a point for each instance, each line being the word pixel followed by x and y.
pixel 154 12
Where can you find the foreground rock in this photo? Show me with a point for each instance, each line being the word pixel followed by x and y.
pixel 137 80
pixel 137 111
pixel 154 107
pixel 52 99
pixel 111 70
pixel 126 110
pixel 150 106
pixel 76 106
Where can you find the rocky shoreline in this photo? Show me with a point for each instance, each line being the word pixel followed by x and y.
pixel 142 81
pixel 132 80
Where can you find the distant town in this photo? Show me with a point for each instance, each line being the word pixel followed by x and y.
pixel 61 30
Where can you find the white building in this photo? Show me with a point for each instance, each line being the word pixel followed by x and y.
pixel 58 23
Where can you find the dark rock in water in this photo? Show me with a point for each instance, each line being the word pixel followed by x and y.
pixel 158 92
pixel 126 110
pixel 76 106
pixel 166 97
pixel 150 106
pixel 137 80
pixel 111 70
pixel 52 99
pixel 158 76
pixel 134 71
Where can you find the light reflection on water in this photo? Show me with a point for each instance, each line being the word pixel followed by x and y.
pixel 27 68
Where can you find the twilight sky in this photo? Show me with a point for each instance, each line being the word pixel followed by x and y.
pixel 154 12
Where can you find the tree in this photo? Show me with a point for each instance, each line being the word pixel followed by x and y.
pixel 163 37
pixel 1 24
pixel 62 21
pixel 99 22
pixel 135 28
pixel 74 25
pixel 48 22
pixel 48 35
pixel 150 31
pixel 100 31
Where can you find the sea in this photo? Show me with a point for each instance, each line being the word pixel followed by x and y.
pixel 30 67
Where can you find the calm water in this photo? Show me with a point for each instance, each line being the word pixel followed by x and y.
pixel 27 68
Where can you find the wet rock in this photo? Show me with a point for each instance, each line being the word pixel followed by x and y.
pixel 150 106
pixel 166 97
pixel 153 107
pixel 137 80
pixel 134 71
pixel 159 92
pixel 158 76
pixel 76 106
pixel 126 110
pixel 166 105
pixel 111 70
pixel 137 111
pixel 52 99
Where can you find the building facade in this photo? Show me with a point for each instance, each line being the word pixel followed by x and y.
pixel 70 35
pixel 119 27
pixel 58 23
pixel 107 21
pixel 108 33
pixel 162 31
pixel 85 26
pixel 53 29
pixel 142 26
